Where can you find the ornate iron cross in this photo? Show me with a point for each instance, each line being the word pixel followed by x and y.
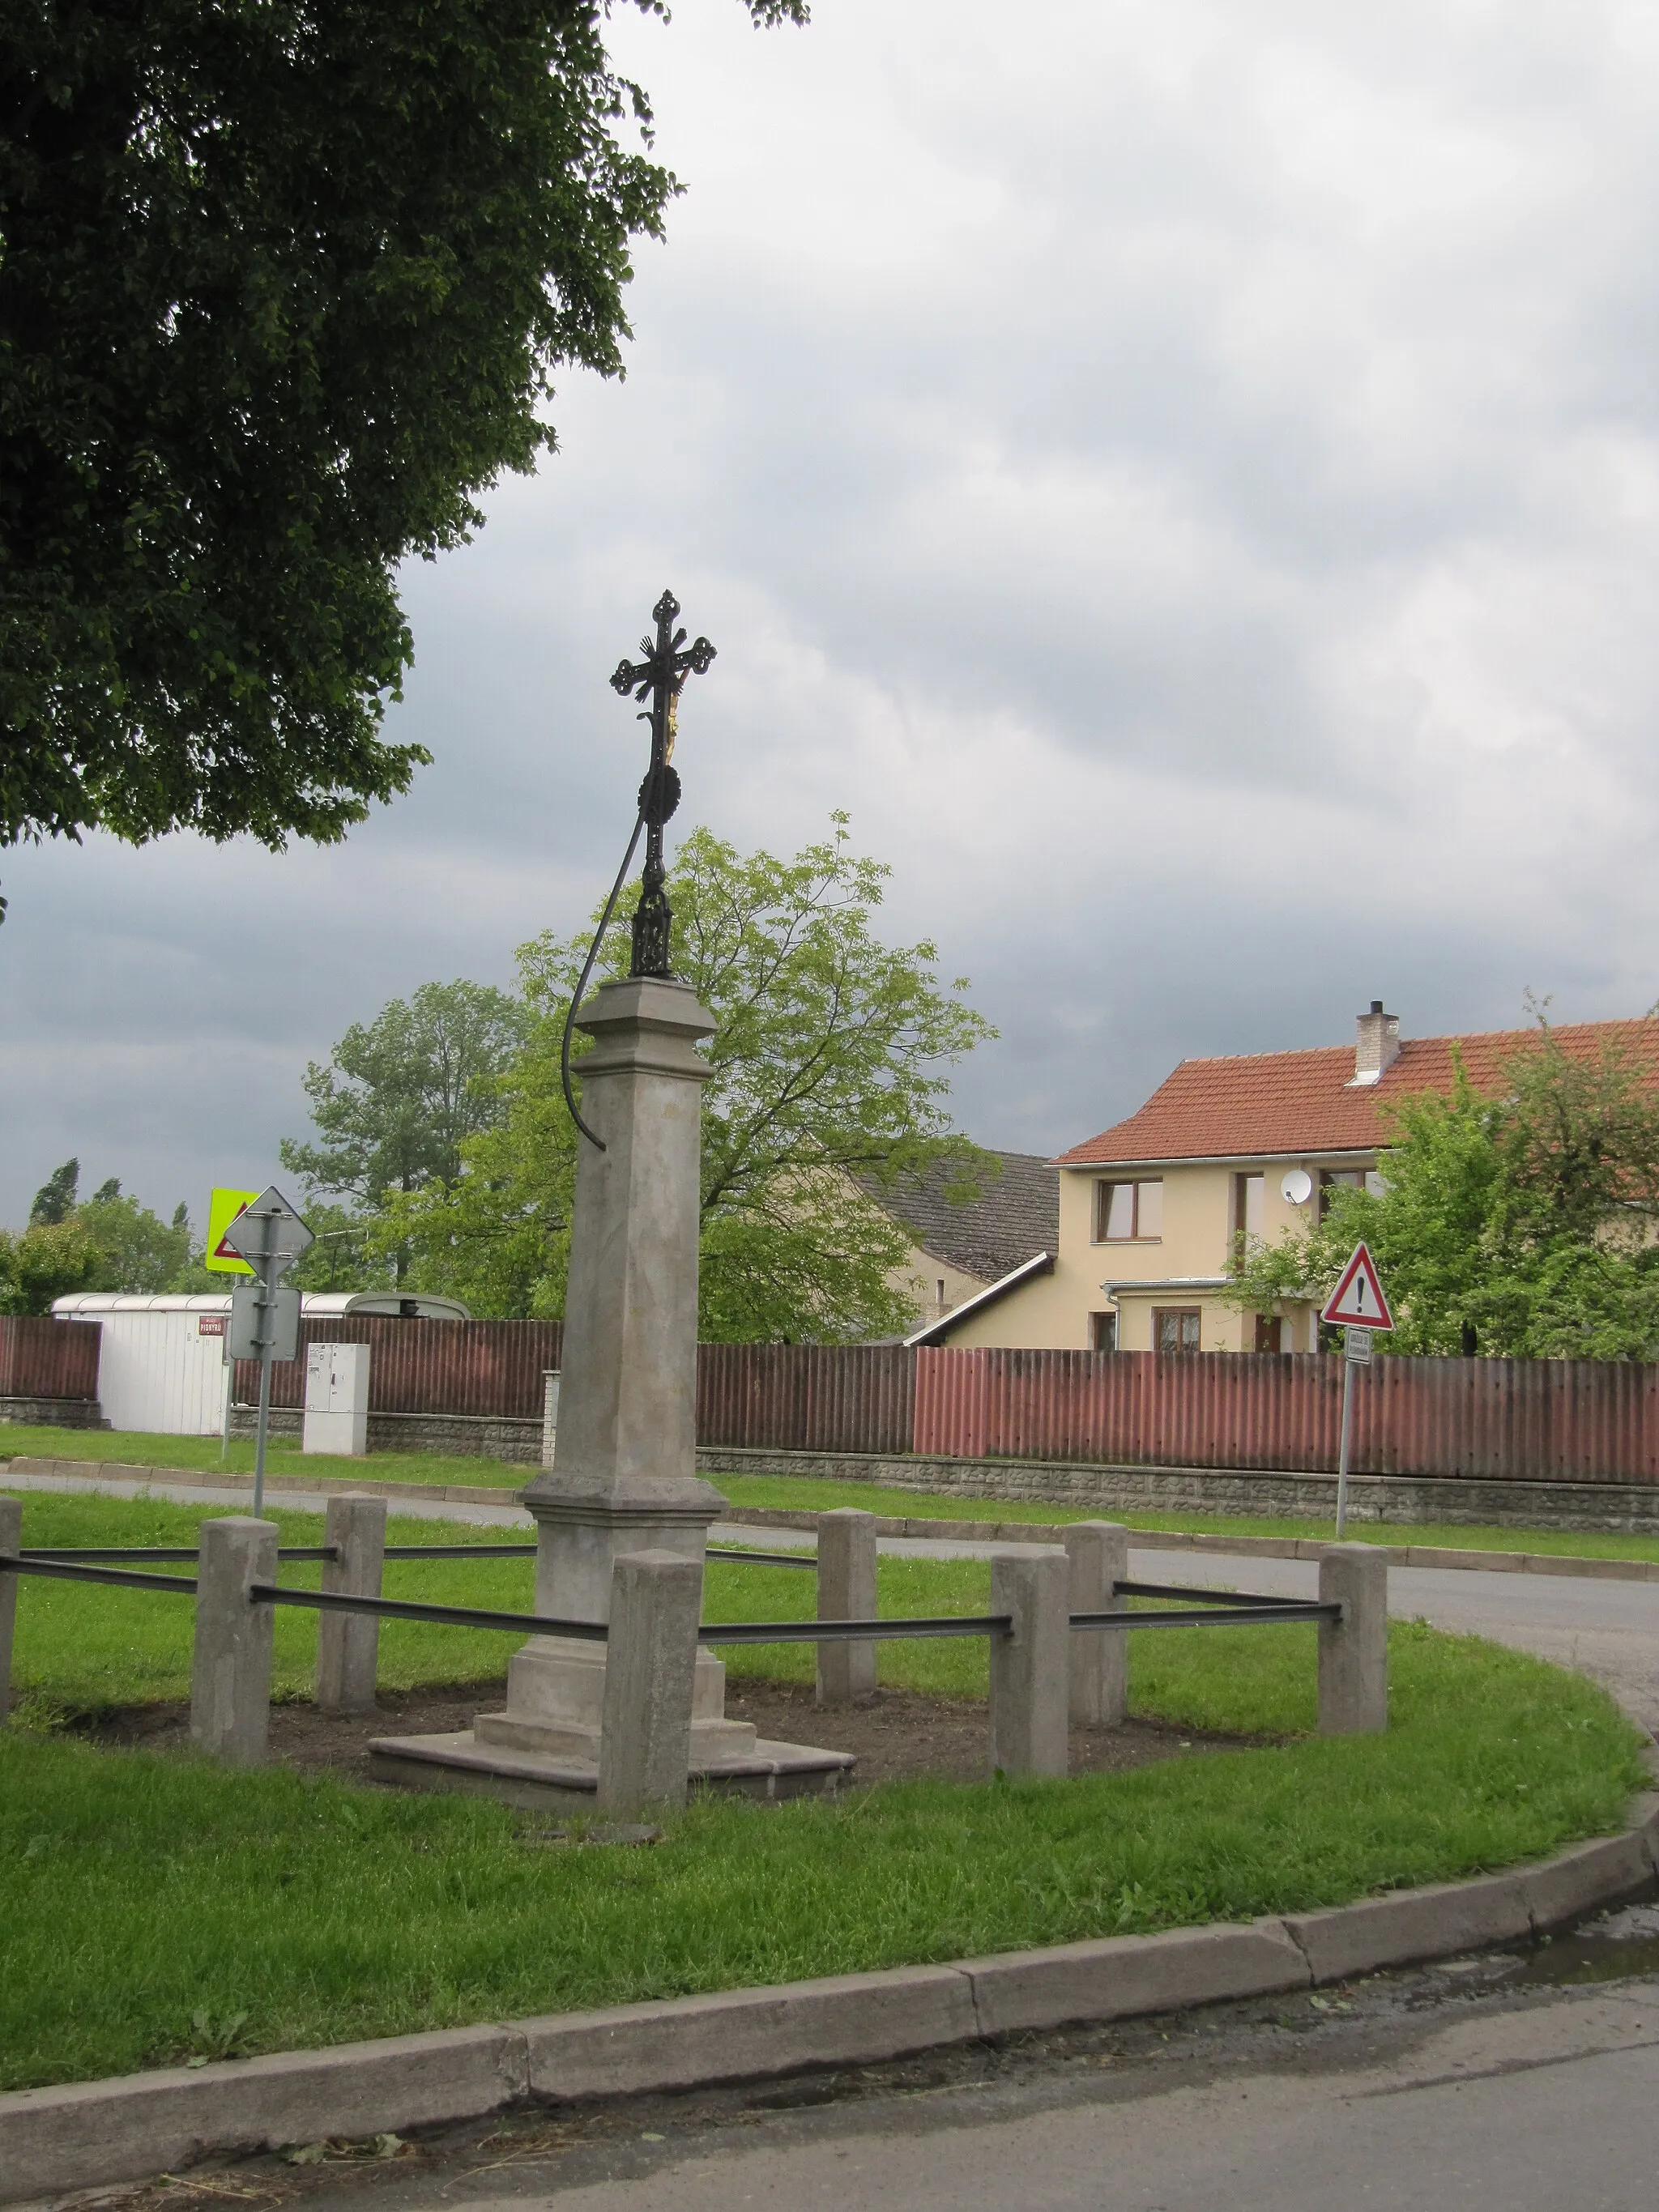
pixel 660 676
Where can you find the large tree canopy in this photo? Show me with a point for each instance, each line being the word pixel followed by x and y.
pixel 831 1063
pixel 282 287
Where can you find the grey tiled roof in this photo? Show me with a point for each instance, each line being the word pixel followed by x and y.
pixel 1015 1216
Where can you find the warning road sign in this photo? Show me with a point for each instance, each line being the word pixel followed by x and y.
pixel 223 1207
pixel 1357 1301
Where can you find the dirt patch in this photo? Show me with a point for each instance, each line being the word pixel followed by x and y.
pixel 901 1735
pixel 904 1735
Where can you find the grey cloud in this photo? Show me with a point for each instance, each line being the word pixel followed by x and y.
pixel 1187 480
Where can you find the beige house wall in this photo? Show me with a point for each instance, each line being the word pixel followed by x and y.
pixel 918 1278
pixel 1057 1312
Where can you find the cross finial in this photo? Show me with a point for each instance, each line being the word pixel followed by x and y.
pixel 660 676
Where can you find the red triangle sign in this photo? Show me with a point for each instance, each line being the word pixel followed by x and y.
pixel 222 1251
pixel 1357 1301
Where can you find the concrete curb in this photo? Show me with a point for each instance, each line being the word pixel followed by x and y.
pixel 88 2134
pixel 763 1517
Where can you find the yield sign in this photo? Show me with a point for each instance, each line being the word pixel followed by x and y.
pixel 1357 1301
pixel 269 1229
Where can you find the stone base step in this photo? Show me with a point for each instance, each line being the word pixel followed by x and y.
pixel 537 1782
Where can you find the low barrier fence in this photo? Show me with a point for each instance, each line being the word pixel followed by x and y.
pixel 1043 1672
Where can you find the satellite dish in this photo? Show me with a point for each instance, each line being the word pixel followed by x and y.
pixel 1297 1188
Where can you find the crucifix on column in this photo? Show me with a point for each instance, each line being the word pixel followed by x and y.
pixel 661 678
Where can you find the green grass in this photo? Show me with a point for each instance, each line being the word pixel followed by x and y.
pixel 84 1649
pixel 800 1493
pixel 157 1907
pixel 141 1447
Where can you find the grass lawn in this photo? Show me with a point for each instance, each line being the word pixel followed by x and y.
pixel 142 1448
pixel 796 1491
pixel 152 1908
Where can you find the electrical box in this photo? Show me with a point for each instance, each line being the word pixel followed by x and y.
pixel 337 1399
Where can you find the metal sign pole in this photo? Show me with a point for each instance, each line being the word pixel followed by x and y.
pixel 267 1334
pixel 1342 1462
pixel 268 1235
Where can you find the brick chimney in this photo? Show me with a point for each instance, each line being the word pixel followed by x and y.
pixel 1377 1045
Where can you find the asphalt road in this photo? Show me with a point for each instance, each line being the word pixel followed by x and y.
pixel 1472 2084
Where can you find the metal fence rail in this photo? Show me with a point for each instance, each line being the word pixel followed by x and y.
pixel 1212 1610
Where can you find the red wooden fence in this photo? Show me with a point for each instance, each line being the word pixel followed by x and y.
pixel 487 1367
pixel 1532 1420
pixel 806 1397
pixel 40 1358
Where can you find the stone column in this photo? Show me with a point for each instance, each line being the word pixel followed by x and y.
pixel 1098 1552
pixel 230 1676
pixel 626 1477
pixel 846 1591
pixel 1029 1669
pixel 349 1643
pixel 11 1543
pixel 1353 1652
pixel 645 1744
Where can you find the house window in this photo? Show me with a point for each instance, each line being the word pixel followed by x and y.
pixel 1332 1179
pixel 1176 1328
pixel 1103 1332
pixel 1270 1333
pixel 1249 1201
pixel 1126 1212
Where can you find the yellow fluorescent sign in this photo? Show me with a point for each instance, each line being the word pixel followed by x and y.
pixel 223 1207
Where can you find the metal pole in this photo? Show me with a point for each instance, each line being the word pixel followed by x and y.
pixel 1342 1462
pixel 265 1422
pixel 230 1392
pixel 267 1338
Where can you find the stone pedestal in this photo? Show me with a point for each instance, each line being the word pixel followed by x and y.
pixel 625 1476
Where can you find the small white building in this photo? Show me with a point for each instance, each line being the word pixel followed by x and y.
pixel 161 1367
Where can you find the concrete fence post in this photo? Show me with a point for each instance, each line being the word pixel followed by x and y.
pixel 1353 1652
pixel 230 1677
pixel 645 1729
pixel 349 1643
pixel 1029 1669
pixel 11 1543
pixel 1098 1552
pixel 846 1591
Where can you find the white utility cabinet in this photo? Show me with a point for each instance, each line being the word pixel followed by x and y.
pixel 337 1399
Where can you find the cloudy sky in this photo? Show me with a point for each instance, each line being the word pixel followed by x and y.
pixel 1183 474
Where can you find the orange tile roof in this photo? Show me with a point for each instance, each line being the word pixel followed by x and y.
pixel 1280 1105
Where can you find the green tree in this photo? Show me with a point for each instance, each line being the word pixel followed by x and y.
pixel 1518 1225
pixel 400 1096
pixel 831 1059
pixel 340 1260
pixel 281 291
pixel 138 1251
pixel 50 1260
pixel 54 1200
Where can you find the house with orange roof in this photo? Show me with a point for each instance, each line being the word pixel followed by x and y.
pixel 1151 1209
